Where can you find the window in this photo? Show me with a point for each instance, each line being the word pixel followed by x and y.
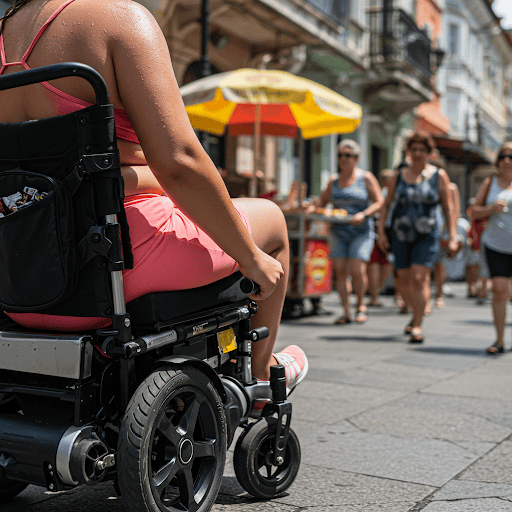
pixel 452 110
pixel 453 39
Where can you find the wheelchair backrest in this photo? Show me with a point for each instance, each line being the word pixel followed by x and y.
pixel 61 194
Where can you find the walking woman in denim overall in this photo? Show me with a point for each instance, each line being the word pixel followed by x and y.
pixel 410 215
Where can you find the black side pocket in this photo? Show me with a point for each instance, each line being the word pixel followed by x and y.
pixel 38 261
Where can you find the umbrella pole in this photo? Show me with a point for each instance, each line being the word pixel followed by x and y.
pixel 253 190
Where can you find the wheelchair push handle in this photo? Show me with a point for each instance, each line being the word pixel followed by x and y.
pixel 248 286
pixel 54 71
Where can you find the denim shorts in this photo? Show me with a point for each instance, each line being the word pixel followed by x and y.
pixel 359 247
pixel 424 252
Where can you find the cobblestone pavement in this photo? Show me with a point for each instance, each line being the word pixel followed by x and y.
pixel 384 425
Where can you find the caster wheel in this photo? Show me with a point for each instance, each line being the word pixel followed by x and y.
pixel 9 489
pixel 172 443
pixel 253 460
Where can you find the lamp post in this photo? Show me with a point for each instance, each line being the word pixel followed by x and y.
pixel 205 59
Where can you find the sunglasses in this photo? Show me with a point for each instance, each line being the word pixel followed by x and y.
pixel 347 155
pixel 506 155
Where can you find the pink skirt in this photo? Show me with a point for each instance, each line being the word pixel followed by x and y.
pixel 170 253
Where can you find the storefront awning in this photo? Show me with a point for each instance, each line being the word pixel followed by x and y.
pixel 456 151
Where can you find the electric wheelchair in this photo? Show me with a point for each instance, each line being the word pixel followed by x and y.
pixel 153 400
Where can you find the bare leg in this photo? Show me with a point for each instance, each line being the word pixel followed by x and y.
pixel 340 271
pixel 268 229
pixel 374 270
pixel 501 294
pixel 472 279
pixel 357 269
pixel 440 278
pixel 419 292
pixel 385 272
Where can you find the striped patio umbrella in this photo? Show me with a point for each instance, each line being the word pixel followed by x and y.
pixel 267 102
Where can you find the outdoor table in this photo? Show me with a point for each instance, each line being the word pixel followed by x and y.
pixel 310 266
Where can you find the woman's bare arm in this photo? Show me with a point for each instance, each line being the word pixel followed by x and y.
pixel 325 196
pixel 480 210
pixel 150 95
pixel 375 194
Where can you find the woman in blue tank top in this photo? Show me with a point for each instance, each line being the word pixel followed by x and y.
pixel 358 192
pixel 411 214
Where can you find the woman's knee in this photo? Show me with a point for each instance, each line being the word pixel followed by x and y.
pixel 268 224
pixel 500 289
pixel 419 278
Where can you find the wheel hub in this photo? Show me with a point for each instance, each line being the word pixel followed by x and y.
pixel 186 451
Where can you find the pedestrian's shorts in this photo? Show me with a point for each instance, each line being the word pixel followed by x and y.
pixel 359 247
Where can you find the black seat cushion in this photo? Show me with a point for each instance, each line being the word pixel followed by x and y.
pixel 164 306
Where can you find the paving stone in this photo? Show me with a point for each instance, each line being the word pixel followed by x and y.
pixel 478 383
pixel 494 467
pixel 410 369
pixel 371 378
pixel 459 490
pixel 481 505
pixel 334 402
pixel 496 410
pixel 429 422
pixel 438 360
pixel 406 459
pixel 316 486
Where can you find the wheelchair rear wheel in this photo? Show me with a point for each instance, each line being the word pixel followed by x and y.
pixel 172 443
pixel 253 456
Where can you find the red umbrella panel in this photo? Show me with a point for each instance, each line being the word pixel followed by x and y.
pixel 274 120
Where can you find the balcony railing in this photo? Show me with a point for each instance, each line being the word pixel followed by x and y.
pixel 336 10
pixel 394 36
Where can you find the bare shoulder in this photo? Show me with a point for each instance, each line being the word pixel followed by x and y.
pixel 369 177
pixel 129 17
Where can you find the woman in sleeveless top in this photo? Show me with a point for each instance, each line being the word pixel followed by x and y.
pixel 410 213
pixel 494 201
pixel 359 193
pixel 186 231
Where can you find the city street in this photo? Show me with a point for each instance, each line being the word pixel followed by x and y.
pixel 384 425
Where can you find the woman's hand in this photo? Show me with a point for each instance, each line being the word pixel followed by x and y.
pixel 383 242
pixel 498 206
pixel 453 247
pixel 266 272
pixel 358 218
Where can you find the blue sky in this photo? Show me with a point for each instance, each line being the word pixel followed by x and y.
pixel 504 8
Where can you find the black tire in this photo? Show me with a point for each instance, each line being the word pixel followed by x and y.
pixel 252 460
pixel 172 443
pixel 9 489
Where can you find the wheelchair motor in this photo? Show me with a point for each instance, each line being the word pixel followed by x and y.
pixel 152 402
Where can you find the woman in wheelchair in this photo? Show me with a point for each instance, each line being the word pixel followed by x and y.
pixel 186 232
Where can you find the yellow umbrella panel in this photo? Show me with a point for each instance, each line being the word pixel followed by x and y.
pixel 278 102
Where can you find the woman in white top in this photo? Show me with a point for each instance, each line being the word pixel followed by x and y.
pixel 494 200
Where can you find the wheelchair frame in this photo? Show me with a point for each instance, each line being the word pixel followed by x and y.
pixel 151 407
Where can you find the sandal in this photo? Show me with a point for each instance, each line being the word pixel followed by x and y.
pixel 408 328
pixel 342 320
pixel 495 348
pixel 361 317
pixel 416 337
pixel 377 304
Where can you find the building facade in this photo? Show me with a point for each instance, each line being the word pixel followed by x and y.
pixel 472 83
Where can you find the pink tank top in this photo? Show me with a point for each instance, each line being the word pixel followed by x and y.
pixel 62 102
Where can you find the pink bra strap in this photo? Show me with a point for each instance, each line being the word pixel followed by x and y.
pixel 41 30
